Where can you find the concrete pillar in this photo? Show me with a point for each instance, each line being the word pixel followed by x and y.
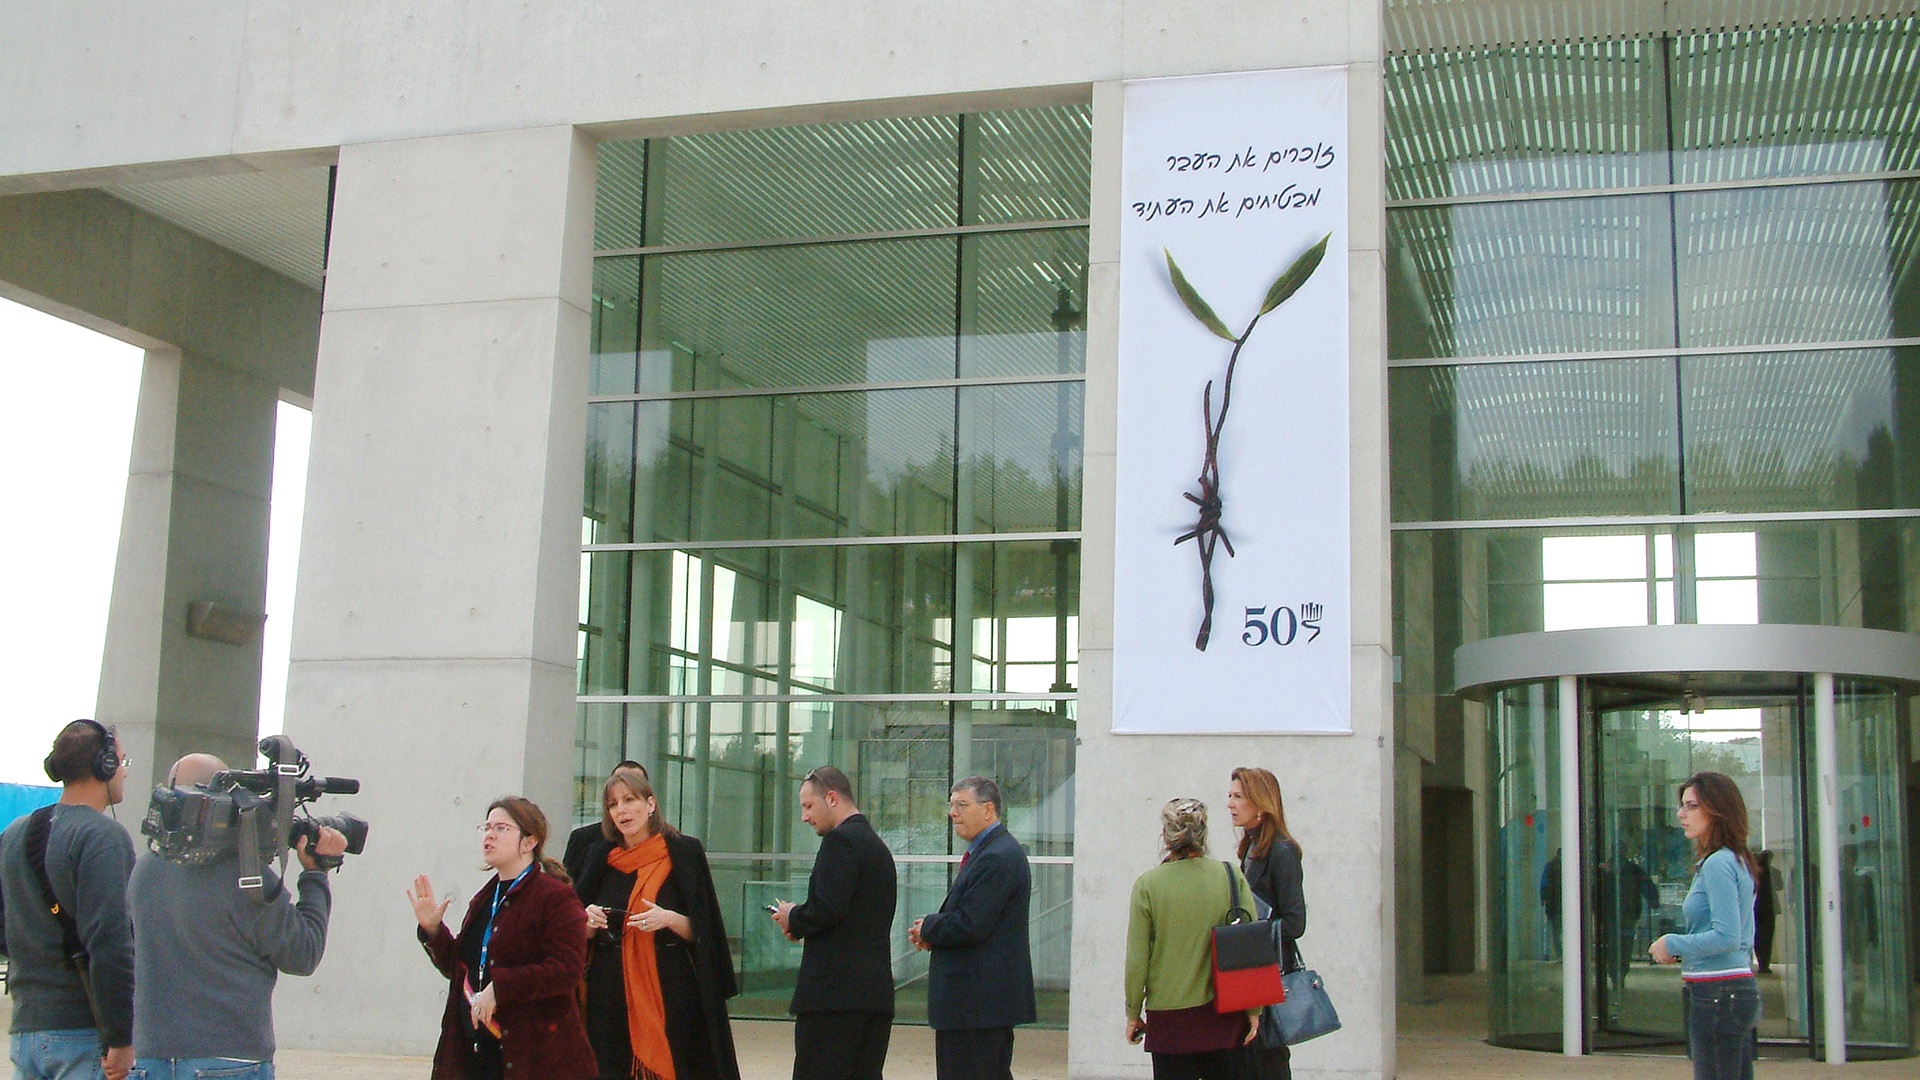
pixel 1339 790
pixel 433 652
pixel 194 528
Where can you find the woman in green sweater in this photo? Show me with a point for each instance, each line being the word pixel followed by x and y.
pixel 1176 905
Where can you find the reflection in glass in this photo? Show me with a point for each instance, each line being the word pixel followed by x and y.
pixel 861 619
pixel 1761 266
pixel 1875 867
pixel 615 323
pixel 1795 431
pixel 1796 100
pixel 1023 308
pixel 878 463
pixel 619 194
pixel 801 316
pixel 1525 278
pixel 1456 586
pixel 1029 164
pixel 1561 116
pixel 1523 946
pixel 815 180
pixel 1746 104
pixel 1573 438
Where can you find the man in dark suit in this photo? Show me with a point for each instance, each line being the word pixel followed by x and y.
pixel 980 982
pixel 582 839
pixel 843 1001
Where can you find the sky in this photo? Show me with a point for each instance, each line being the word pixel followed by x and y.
pixel 67 399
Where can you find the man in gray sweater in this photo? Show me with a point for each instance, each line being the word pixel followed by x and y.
pixel 57 1033
pixel 210 953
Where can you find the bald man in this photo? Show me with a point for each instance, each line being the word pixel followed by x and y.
pixel 208 954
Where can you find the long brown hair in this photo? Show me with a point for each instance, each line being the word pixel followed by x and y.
pixel 1259 787
pixel 528 818
pixel 1726 811
pixel 634 780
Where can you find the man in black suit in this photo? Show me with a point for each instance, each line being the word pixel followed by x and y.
pixel 582 839
pixel 843 1001
pixel 980 982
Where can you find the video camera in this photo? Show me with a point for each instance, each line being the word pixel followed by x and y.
pixel 251 813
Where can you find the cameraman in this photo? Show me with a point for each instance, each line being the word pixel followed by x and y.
pixel 71 1021
pixel 209 954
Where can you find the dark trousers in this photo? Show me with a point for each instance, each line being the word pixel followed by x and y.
pixel 1272 1063
pixel 840 1045
pixel 1235 1064
pixel 1722 1038
pixel 973 1054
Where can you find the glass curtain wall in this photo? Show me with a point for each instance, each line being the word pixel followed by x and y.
pixel 1654 341
pixel 832 504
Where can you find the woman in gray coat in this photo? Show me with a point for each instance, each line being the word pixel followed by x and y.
pixel 1270 857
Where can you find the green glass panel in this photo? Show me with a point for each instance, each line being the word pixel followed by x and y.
pixel 1564 116
pixel 1523 844
pixel 1025 303
pixel 606 595
pixel 1797 101
pixel 610 479
pixel 1506 279
pixel 1029 164
pixel 614 324
pixel 1875 882
pixel 1571 438
pixel 859 619
pixel 1799 431
pixel 795 466
pixel 828 314
pixel 620 194
pixel 1021 457
pixel 1458 586
pixel 793 182
pixel 1800 263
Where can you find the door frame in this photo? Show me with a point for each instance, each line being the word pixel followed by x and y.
pixel 1701 652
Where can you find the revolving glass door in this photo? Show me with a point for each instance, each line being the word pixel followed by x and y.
pixel 1643 742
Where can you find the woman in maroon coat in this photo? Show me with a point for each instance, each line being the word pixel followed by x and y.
pixel 514 967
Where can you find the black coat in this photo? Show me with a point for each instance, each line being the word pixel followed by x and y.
pixel 712 961
pixel 847 924
pixel 580 846
pixel 981 971
pixel 1276 880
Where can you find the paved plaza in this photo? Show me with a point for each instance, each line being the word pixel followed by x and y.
pixel 1441 1040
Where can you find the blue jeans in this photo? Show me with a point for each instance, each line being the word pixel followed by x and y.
pixel 56 1055
pixel 200 1069
pixel 1722 1036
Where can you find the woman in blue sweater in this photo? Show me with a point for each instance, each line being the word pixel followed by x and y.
pixel 1716 953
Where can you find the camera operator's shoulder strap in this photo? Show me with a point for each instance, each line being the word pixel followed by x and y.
pixel 39 831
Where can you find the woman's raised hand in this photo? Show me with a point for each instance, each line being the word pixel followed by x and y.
pixel 425 908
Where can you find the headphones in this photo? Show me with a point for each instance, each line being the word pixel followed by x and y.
pixel 104 763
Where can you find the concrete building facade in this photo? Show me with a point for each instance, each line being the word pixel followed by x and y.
pixel 482 242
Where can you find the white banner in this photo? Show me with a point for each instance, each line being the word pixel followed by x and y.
pixel 1232 470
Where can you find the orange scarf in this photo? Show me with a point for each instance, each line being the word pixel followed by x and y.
pixel 649 863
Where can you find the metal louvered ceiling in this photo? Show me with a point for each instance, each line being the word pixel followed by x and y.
pixel 277 219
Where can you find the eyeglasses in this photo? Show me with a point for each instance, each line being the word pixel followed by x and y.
pixel 1687 806
pixel 126 762
pixel 497 828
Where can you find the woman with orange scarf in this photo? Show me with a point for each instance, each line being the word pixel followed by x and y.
pixel 658 970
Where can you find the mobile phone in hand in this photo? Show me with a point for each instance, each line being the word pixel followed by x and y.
pixel 772 909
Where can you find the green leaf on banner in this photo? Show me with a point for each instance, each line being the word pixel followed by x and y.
pixel 1192 299
pixel 1289 283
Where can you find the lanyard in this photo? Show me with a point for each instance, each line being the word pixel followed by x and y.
pixel 486 939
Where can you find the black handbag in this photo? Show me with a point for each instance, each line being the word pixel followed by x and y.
pixel 1246 962
pixel 1306 1013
